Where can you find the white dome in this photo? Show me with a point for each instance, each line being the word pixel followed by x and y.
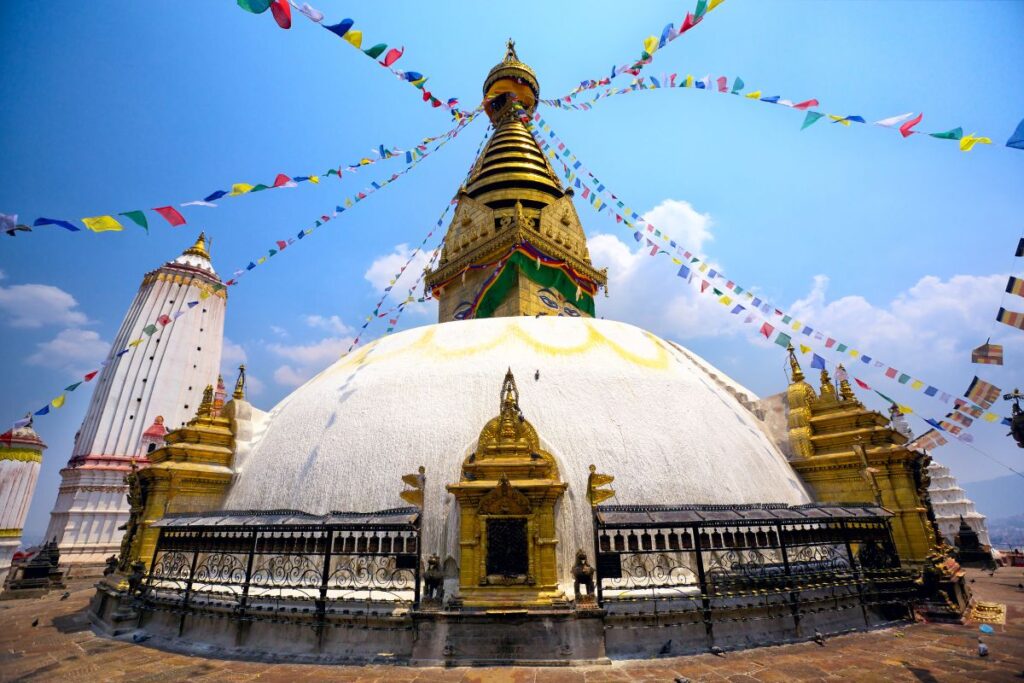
pixel 608 394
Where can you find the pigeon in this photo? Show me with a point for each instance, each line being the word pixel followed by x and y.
pixel 140 637
pixel 982 648
pixel 1020 586
pixel 536 376
pixel 666 648
pixel 35 622
pixel 66 595
pixel 818 638
pixel 717 651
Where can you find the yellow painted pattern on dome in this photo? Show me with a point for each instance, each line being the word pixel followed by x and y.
pixel 427 344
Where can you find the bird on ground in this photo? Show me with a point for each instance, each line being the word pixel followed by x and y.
pixel 140 637
pixel 717 651
pixel 66 595
pixel 35 622
pixel 818 638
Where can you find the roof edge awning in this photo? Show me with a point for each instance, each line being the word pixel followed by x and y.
pixel 741 514
pixel 404 517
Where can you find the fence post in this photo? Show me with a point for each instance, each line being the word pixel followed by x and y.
pixel 325 577
pixel 597 549
pixel 188 586
pixel 855 570
pixel 794 594
pixel 705 599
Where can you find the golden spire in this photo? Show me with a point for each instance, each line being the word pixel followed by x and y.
pixel 240 384
pixel 828 391
pixel 206 407
pixel 199 248
pixel 797 375
pixel 844 384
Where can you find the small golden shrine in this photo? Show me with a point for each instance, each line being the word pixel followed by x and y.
pixel 507 496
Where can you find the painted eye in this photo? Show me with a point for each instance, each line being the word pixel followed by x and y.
pixel 547 301
pixel 462 311
pixel 572 312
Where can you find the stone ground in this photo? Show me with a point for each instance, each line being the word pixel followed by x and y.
pixel 63 648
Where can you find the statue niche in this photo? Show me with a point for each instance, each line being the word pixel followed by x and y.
pixel 507 497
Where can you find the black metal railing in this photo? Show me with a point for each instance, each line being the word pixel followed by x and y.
pixel 273 560
pixel 708 558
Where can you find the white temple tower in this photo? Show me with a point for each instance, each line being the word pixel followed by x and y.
pixel 21 454
pixel 164 376
pixel 950 503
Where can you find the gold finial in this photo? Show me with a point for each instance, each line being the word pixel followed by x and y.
pixel 206 407
pixel 199 248
pixel 240 384
pixel 845 392
pixel 794 364
pixel 510 51
pixel 828 390
pixel 509 392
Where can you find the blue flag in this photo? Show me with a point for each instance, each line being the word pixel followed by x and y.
pixel 684 272
pixel 1016 140
pixel 55 221
pixel 341 28
pixel 817 361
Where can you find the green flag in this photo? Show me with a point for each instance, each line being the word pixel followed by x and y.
pixel 254 6
pixel 72 387
pixel 811 118
pixel 375 51
pixel 783 339
pixel 138 217
pixel 149 329
pixel 954 134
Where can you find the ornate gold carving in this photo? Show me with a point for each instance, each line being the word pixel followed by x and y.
pixel 199 248
pixel 504 500
pixel 21 455
pixel 10 533
pixel 595 494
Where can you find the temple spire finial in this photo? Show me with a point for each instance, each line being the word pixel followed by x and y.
pixel 510 51
pixel 794 365
pixel 828 390
pixel 200 248
pixel 239 392
pixel 845 392
pixel 206 407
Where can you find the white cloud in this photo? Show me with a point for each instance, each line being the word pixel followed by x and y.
pixel 35 305
pixel 73 350
pixel 384 268
pixel 305 360
pixel 288 376
pixel 232 355
pixel 279 331
pixel 254 386
pixel 331 324
pixel 2 274
pixel 687 226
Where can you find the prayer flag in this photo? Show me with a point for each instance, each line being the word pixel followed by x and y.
pixel 375 51
pixel 138 217
pixel 968 142
pixel 313 14
pixel 72 387
pixel 55 221
pixel 164 320
pixel 1011 318
pixel 341 28
pixel 804 349
pixel 254 6
pixel 1016 140
pixel 931 391
pixel 1020 248
pixel 811 118
pixel 954 134
pixel 927 441
pixel 904 378
pixel 240 188
pixel 723 84
pixel 905 129
pixel 1015 286
pixel 982 393
pixel 988 354
pixel 171 215
pixel 102 224
pixel 150 329
pixel 393 55
pixel 355 38
pixel 59 401
pixel 862 385
pixel 893 120
pixel 829 343
pixel 817 362
pixel 754 95
pixel 282 12
pixel 45 410
pixel 916 385
pixel 282 180
pixel 767 330
pixel 215 196
pixel 807 104
pixel 890 373
pixel 88 377
pixel 783 340
pixel 684 272
pixel 737 85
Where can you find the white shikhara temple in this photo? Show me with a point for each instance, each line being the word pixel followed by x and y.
pixel 21 454
pixel 950 503
pixel 161 382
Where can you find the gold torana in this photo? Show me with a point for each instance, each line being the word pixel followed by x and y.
pixel 512 196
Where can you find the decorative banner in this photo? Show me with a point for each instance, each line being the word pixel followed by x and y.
pixel 174 218
pixel 982 393
pixel 988 354
pixel 281 245
pixel 721 85
pixel 651 45
pixel 554 148
pixel 1011 318
pixel 344 30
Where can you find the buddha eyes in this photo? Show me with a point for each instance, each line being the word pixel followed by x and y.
pixel 548 302
pixel 571 312
pixel 462 311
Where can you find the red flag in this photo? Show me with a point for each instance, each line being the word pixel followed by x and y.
pixel 281 245
pixel 905 128
pixel 723 84
pixel 704 284
pixel 164 320
pixel 767 330
pixel 688 23
pixel 392 56
pixel 890 373
pixel 282 13
pixel 282 179
pixel 829 343
pixel 88 378
pixel 860 384
pixel 807 104
pixel 171 215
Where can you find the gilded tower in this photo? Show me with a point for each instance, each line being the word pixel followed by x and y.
pixel 515 245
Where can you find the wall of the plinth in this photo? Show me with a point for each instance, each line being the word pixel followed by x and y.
pixel 90 507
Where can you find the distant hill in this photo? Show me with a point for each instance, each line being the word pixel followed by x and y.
pixel 995 498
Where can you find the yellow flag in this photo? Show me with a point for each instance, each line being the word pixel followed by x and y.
pixel 348 203
pixel 688 83
pixel 916 384
pixel 703 268
pixel 650 45
pixel 239 188
pixel 261 260
pixel 906 410
pixel 754 95
pixel 714 3
pixel 797 325
pixel 315 179
pixel 839 119
pixel 354 37
pixel 58 402
pixel 991 417
pixel 135 343
pixel 102 224
pixel 676 261
pixel 968 142
pixel 804 349
pixel 725 301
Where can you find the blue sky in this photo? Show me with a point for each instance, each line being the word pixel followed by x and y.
pixel 899 246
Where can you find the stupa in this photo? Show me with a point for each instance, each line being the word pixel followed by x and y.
pixel 503 427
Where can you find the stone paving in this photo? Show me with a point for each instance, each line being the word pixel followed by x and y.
pixel 63 648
